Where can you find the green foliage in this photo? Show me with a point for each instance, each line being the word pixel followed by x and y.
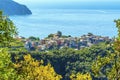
pixel 7 72
pixel 50 36
pixel 100 64
pixel 109 65
pixel 80 76
pixel 67 61
pixel 59 33
pixel 30 69
pixel 7 30
pixel 118 26
pixel 34 38
pixel 27 69
pixel 115 71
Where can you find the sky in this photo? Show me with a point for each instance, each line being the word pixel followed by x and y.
pixel 70 3
pixel 54 1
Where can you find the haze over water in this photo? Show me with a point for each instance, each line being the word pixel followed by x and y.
pixel 71 21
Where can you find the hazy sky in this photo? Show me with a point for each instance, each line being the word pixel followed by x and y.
pixel 46 1
pixel 50 3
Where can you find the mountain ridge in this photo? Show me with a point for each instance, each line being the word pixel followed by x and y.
pixel 10 7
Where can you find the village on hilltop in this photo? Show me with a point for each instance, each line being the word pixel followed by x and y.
pixel 58 41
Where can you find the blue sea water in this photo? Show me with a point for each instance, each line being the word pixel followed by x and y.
pixel 69 21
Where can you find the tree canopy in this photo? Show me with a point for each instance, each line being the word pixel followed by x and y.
pixel 7 30
pixel 109 65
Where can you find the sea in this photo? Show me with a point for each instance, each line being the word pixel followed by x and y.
pixel 74 22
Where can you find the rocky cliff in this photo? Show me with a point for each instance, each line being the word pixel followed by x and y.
pixel 10 7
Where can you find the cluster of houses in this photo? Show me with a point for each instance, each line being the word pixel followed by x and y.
pixel 57 42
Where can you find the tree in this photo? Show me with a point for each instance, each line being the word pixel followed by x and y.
pixel 80 76
pixel 109 66
pixel 30 69
pixel 116 66
pixel 34 38
pixel 59 33
pixel 7 30
pixel 7 72
pixel 50 36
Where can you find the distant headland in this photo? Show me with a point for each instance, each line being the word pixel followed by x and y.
pixel 10 7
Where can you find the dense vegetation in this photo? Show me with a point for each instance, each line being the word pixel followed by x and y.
pixel 100 61
pixel 68 61
pixel 7 30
